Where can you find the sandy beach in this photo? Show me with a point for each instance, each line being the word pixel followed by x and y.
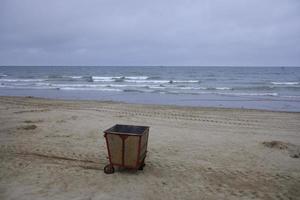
pixel 55 149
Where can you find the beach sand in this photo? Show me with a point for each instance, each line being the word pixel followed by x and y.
pixel 55 149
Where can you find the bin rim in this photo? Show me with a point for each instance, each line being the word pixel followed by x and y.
pixel 108 131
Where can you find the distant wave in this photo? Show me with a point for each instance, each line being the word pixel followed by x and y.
pixel 147 81
pixel 136 77
pixel 96 89
pixel 22 80
pixel 133 90
pixel 223 88
pixel 184 81
pixel 254 88
pixel 130 86
pixel 285 83
pixel 75 77
pixel 54 76
pixel 69 78
pixel 117 78
pixel 188 87
pixel 77 85
pixel 224 94
pixel 2 75
pixel 219 88
pixel 201 88
pixel 250 94
pixel 291 96
pixel 162 81
pixel 104 78
pixel 268 88
pixel 80 78
pixel 100 85
pixel 96 78
pixel 148 84
pixel 129 79
pixel 154 77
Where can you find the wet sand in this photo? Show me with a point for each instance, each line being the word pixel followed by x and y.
pixel 55 149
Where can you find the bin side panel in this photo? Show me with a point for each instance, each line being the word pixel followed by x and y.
pixel 131 150
pixel 144 141
pixel 115 148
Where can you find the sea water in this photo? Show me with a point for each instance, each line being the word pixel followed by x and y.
pixel 270 88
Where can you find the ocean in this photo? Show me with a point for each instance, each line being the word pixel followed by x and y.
pixel 269 88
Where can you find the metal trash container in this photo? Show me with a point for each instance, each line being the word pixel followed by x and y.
pixel 126 146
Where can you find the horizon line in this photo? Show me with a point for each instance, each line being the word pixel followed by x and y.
pixel 148 66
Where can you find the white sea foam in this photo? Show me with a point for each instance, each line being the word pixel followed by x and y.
pixel 126 85
pixel 189 88
pixel 147 81
pixel 104 78
pixel 202 88
pixel 156 87
pixel 22 80
pixel 96 89
pixel 291 96
pixel 221 93
pixel 2 75
pixel 115 78
pixel 78 85
pixel 285 83
pixel 74 77
pixel 250 94
pixel 184 81
pixel 99 85
pixel 136 77
pixel 223 88
pixel 37 83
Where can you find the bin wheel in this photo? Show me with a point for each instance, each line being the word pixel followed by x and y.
pixel 142 166
pixel 109 169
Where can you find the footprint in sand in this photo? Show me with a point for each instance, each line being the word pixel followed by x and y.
pixel 28 127
pixel 293 150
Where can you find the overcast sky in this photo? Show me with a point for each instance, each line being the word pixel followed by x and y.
pixel 150 32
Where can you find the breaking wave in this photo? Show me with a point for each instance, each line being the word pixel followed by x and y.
pixel 146 84
pixel 285 83
pixel 2 75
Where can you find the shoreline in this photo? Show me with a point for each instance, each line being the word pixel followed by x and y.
pixel 174 106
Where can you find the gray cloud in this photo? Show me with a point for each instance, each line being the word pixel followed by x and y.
pixel 156 32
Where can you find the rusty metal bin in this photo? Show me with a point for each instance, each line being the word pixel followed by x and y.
pixel 126 146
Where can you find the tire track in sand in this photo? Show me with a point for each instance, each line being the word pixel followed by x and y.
pixel 194 179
